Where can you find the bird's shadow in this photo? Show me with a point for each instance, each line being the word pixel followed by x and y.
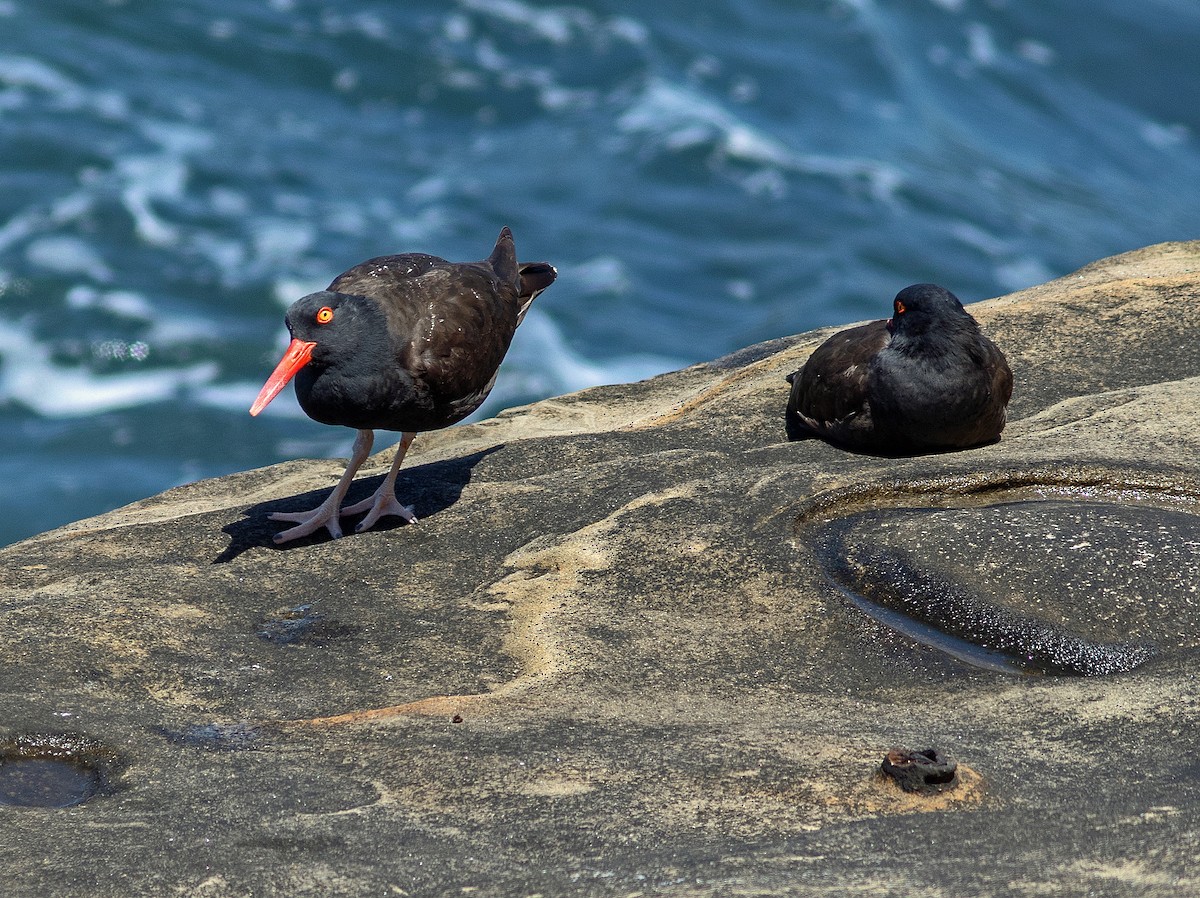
pixel 427 489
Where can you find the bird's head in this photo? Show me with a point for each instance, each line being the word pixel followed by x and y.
pixel 323 326
pixel 923 309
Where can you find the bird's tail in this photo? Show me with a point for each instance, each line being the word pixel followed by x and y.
pixel 503 259
pixel 530 278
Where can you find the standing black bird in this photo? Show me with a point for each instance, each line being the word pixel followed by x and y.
pixel 408 343
pixel 924 380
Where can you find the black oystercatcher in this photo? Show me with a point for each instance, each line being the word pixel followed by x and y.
pixel 408 343
pixel 924 380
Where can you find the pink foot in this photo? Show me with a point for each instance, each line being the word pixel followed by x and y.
pixel 309 522
pixel 382 503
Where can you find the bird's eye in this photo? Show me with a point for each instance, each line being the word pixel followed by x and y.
pixel 324 315
pixel 899 307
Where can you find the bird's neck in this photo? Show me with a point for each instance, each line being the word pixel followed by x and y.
pixel 950 340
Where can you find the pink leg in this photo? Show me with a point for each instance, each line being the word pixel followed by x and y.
pixel 384 502
pixel 326 514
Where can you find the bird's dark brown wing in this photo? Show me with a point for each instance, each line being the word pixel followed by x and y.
pixel 1000 387
pixel 1002 379
pixel 829 394
pixel 385 276
pixel 450 324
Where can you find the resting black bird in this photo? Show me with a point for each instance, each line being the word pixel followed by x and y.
pixel 409 343
pixel 925 380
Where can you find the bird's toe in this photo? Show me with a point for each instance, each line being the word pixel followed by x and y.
pixel 379 507
pixel 308 523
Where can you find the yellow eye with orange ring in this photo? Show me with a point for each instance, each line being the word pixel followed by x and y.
pixel 324 315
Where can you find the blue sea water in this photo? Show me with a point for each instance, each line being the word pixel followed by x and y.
pixel 703 175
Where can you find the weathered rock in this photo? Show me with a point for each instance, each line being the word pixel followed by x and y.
pixel 620 653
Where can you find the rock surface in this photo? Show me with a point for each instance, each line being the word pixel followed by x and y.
pixel 622 653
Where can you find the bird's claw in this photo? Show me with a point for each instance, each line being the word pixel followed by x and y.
pixel 379 506
pixel 309 522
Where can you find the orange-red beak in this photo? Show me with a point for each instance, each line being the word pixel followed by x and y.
pixel 297 356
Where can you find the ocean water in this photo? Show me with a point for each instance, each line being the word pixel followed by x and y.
pixel 703 175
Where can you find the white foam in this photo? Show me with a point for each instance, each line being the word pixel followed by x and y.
pixel 629 30
pixel 981 47
pixel 177 138
pixel 559 25
pixel 1012 270
pixel 553 24
pixel 228 254
pixel 64 210
pixel 151 186
pixel 603 274
pixel 277 240
pixel 541 363
pixel 65 254
pixel 24 73
pixel 365 23
pixel 179 327
pixel 1164 137
pixel 344 218
pixel 29 377
pixel 430 189
pixel 457 28
pixel 124 303
pixel 418 229
pixel 228 202
pixel 979 239
pixel 1036 52
pixel 679 117
pixel 741 290
pixel 71 207
pixel 492 60
pixel 148 179
pixel 286 291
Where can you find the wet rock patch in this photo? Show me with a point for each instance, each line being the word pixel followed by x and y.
pixel 54 770
pixel 1046 581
